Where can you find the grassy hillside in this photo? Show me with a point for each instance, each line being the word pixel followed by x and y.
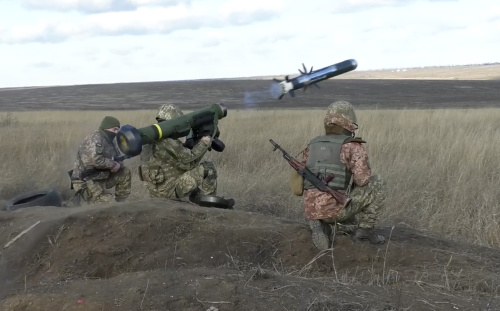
pixel 441 166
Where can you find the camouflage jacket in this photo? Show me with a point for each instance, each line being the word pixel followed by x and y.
pixel 321 205
pixel 96 152
pixel 174 160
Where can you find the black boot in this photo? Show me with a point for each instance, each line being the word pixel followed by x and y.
pixel 230 203
pixel 120 198
pixel 363 234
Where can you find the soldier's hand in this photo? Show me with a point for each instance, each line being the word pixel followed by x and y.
pixel 116 167
pixel 207 139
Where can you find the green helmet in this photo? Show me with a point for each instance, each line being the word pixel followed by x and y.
pixel 168 112
pixel 341 113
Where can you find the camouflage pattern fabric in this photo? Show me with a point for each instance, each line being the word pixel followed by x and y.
pixel 94 191
pixel 366 204
pixel 174 171
pixel 168 112
pixel 341 113
pixel 96 152
pixel 367 193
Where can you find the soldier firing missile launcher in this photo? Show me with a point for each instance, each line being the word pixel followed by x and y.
pixel 199 123
pixel 312 77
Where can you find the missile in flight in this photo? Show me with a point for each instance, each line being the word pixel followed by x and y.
pixel 311 78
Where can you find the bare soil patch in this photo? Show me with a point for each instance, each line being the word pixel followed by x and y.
pixel 165 255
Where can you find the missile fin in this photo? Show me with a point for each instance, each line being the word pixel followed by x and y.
pixel 305 69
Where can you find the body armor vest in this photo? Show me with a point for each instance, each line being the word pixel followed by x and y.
pixel 324 161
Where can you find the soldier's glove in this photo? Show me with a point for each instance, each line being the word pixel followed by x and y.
pixel 116 167
pixel 207 140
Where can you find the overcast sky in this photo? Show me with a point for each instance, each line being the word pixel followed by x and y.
pixel 64 42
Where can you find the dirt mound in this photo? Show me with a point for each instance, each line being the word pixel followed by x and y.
pixel 164 255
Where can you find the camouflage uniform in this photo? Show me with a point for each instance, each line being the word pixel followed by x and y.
pixel 366 190
pixel 173 171
pixel 91 174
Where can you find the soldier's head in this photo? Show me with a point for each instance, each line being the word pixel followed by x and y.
pixel 110 124
pixel 168 112
pixel 340 117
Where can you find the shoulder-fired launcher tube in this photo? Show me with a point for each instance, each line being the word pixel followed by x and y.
pixel 130 139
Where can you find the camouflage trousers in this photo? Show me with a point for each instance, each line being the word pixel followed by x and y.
pixel 202 177
pixel 94 191
pixel 365 207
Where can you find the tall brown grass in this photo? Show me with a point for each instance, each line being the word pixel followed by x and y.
pixel 441 166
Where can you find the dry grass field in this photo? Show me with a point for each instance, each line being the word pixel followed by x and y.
pixel 441 165
pixel 441 218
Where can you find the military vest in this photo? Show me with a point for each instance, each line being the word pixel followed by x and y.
pixel 324 161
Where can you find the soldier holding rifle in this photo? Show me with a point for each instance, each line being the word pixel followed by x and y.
pixel 335 178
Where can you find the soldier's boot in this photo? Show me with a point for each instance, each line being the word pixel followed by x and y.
pixel 320 234
pixel 230 203
pixel 76 199
pixel 194 194
pixel 121 198
pixel 367 234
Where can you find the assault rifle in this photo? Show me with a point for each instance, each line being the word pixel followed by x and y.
pixel 311 177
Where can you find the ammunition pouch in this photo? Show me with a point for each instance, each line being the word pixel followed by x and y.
pixel 151 174
pixel 297 183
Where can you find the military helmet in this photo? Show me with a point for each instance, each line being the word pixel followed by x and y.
pixel 168 112
pixel 341 113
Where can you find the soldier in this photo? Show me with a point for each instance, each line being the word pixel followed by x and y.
pixel 341 155
pixel 173 171
pixel 98 168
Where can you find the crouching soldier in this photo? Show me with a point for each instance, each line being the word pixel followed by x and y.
pixel 98 167
pixel 341 155
pixel 171 170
